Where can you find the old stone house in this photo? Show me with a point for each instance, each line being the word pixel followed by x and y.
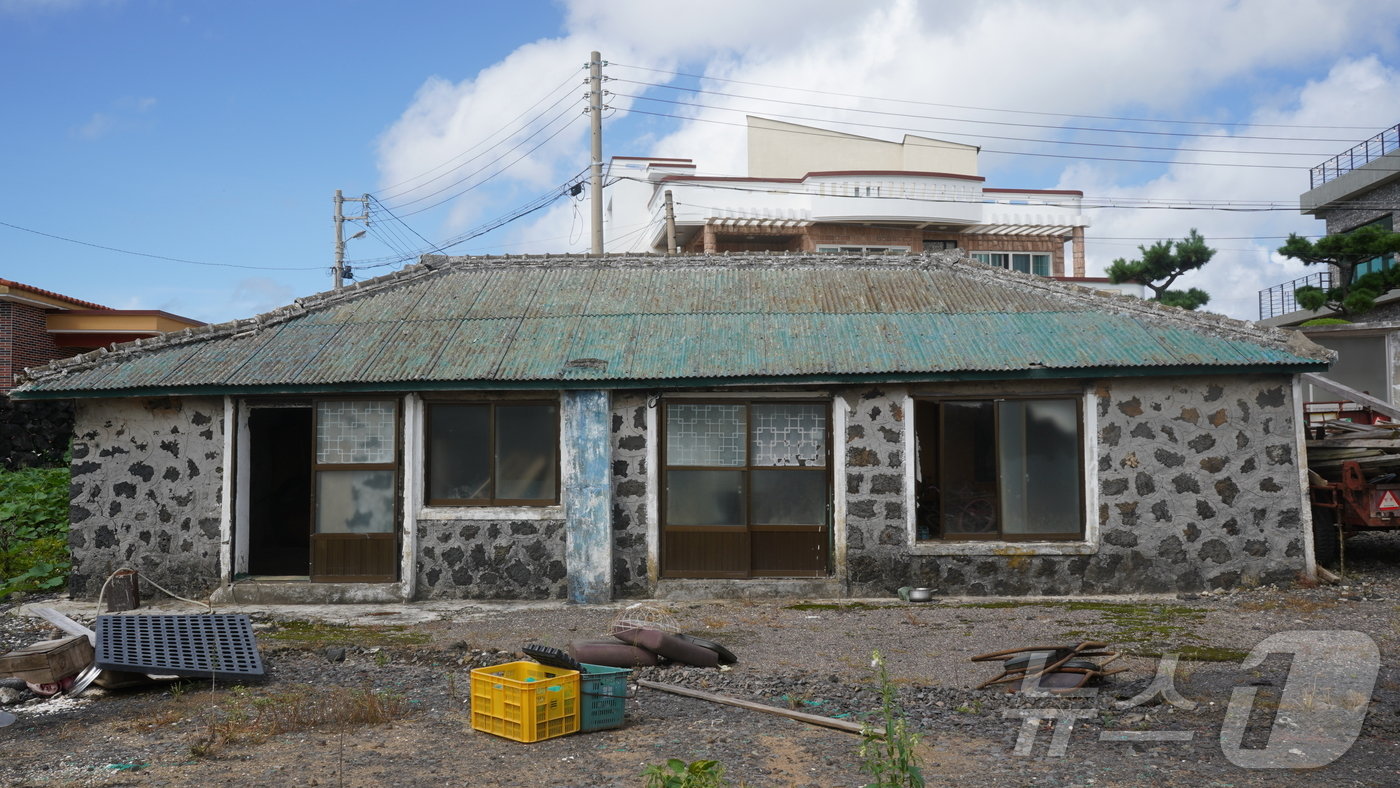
pixel 597 428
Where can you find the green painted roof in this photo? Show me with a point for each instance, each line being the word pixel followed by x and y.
pixel 626 321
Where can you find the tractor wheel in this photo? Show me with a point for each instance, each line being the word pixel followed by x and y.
pixel 1327 538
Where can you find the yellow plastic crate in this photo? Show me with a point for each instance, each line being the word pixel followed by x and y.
pixel 525 701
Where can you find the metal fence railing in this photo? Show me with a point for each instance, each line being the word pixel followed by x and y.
pixel 1359 155
pixel 1280 299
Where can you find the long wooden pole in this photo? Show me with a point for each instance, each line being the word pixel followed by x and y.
pixel 814 719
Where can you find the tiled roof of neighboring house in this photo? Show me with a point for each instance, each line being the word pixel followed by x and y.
pixel 51 294
pixel 638 320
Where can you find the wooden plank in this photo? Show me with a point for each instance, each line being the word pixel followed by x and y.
pixel 1347 392
pixel 63 622
pixel 813 719
pixel 1354 443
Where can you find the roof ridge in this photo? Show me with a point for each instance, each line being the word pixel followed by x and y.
pixel 953 261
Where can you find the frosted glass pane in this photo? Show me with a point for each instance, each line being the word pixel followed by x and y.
pixel 354 502
pixel 355 432
pixel 705 498
pixel 707 435
pixel 789 497
pixel 1039 464
pixel 788 434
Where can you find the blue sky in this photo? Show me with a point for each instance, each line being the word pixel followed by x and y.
pixel 217 132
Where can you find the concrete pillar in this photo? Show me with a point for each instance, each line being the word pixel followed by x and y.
pixel 1078 251
pixel 587 490
pixel 711 244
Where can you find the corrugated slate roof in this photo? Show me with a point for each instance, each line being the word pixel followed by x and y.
pixel 524 320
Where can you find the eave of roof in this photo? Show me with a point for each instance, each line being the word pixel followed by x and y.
pixel 687 320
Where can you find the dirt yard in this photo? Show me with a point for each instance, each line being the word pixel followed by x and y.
pixel 359 696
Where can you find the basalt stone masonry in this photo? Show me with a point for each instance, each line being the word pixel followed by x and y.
pixel 876 533
pixel 491 559
pixel 628 439
pixel 33 433
pixel 1198 488
pixel 147 492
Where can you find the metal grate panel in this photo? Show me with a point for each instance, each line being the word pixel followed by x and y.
pixel 220 645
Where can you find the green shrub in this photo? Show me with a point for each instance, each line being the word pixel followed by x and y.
pixel 890 754
pixel 676 773
pixel 33 529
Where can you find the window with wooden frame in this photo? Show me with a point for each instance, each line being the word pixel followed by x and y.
pixel 492 453
pixel 356 466
pixel 759 463
pixel 999 469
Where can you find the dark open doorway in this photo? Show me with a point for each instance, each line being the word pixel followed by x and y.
pixel 279 507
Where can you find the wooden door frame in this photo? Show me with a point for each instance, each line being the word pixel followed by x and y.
pixel 747 529
pixel 397 466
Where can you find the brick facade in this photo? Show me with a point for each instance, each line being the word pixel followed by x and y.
pixel 25 342
pixel 721 238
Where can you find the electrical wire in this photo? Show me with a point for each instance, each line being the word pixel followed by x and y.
pixel 513 162
pixel 993 109
pixel 389 192
pixel 159 256
pixel 980 136
pixel 520 212
pixel 1019 153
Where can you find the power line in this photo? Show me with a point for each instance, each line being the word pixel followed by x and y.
pixel 528 208
pixel 1020 153
pixel 527 124
pixel 925 143
pixel 994 109
pixel 158 256
pixel 479 183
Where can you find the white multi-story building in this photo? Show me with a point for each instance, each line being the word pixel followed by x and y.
pixel 817 190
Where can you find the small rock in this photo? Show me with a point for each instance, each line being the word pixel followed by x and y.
pixel 335 653
pixel 10 695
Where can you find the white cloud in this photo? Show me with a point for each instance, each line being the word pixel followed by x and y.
pixel 122 115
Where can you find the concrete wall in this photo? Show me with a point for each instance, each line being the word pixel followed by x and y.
pixel 147 492
pixel 491 559
pixel 630 523
pixel 1197 487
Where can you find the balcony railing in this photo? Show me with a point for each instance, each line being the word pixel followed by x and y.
pixel 1359 155
pixel 1280 299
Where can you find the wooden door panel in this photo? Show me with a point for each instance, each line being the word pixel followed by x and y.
pixel 789 553
pixel 354 558
pixel 705 553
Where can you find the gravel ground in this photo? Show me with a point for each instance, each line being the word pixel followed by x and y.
pixel 812 656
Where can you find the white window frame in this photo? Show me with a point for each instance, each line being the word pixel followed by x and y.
pixel 1007 262
pixel 861 249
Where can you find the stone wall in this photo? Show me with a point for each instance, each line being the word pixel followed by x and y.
pixel 1339 220
pixel 1198 488
pixel 876 532
pixel 629 491
pixel 147 492
pixel 491 559
pixel 34 433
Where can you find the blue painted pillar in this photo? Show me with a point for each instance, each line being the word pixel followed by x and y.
pixel 588 495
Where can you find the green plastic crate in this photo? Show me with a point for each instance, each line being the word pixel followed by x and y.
pixel 602 693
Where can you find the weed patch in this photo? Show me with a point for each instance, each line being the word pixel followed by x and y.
pixel 316 634
pixel 248 718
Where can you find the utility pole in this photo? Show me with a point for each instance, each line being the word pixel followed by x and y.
pixel 670 224
pixel 595 106
pixel 338 270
